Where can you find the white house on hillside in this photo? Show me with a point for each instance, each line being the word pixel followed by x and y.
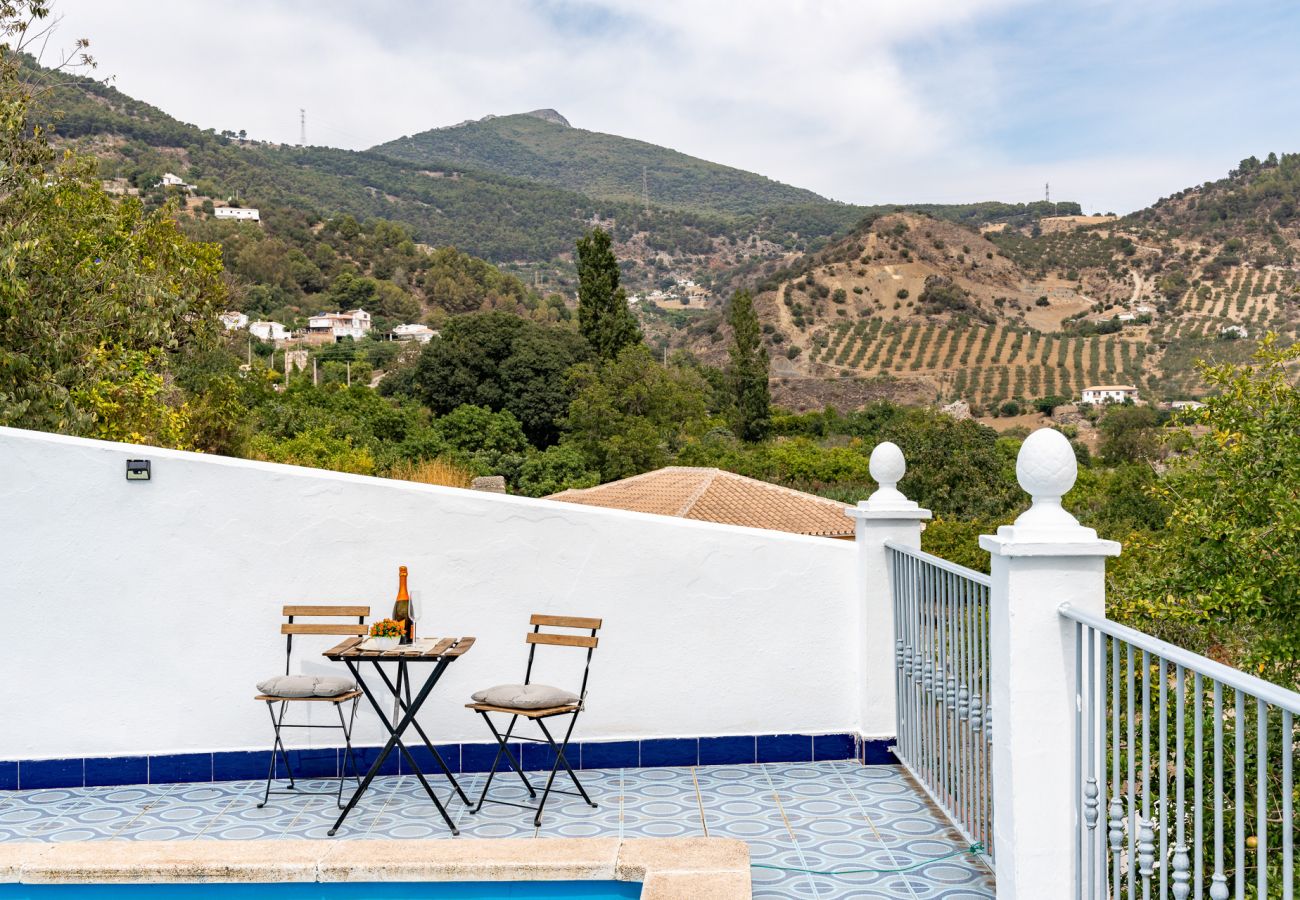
pixel 171 180
pixel 233 321
pixel 241 213
pixel 354 323
pixel 1109 393
pixel 419 333
pixel 269 331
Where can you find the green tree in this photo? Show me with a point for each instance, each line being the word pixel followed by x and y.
pixel 97 296
pixel 630 414
pixel 603 316
pixel 553 470
pixel 502 362
pixel 1224 574
pixel 1129 434
pixel 751 413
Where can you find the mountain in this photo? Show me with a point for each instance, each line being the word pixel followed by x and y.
pixel 919 308
pixel 541 146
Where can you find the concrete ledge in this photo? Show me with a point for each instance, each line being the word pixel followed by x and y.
pixel 669 868
pixel 502 859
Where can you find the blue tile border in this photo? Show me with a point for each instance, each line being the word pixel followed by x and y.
pixel 114 770
pixel 610 755
pixel 785 748
pixel 877 753
pixel 728 751
pixel 51 773
pixel 240 765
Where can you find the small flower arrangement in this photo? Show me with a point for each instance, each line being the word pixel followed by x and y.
pixel 387 628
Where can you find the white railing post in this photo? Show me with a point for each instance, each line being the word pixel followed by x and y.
pixel 885 516
pixel 1045 559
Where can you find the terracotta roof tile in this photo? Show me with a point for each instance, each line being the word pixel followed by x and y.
pixel 712 495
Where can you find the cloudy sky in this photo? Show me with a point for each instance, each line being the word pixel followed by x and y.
pixel 868 101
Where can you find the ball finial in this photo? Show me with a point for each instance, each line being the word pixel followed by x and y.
pixel 887 469
pixel 1046 467
pixel 887 465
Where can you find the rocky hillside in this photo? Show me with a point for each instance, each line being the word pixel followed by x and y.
pixel 925 310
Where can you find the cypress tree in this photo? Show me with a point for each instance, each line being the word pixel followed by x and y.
pixel 603 316
pixel 752 400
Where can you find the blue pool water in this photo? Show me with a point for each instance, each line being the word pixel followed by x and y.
pixel 432 890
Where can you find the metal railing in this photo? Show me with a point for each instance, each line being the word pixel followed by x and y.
pixel 941 657
pixel 1184 771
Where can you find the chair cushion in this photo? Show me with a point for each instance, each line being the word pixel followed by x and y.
pixel 306 686
pixel 525 696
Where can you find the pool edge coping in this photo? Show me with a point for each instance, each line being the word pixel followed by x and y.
pixel 668 868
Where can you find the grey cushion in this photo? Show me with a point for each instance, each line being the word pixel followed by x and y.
pixel 525 696
pixel 306 686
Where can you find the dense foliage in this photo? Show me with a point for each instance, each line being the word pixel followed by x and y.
pixel 501 362
pixel 751 400
pixel 603 316
pixel 97 296
pixel 1223 575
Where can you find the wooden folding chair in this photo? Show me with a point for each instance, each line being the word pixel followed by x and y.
pixel 338 700
pixel 539 715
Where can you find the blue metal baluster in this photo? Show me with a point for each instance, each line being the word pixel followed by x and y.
pixel 1162 767
pixel 1198 754
pixel 1090 801
pixel 1146 846
pixel 1181 876
pixel 1261 798
pixel 1116 812
pixel 1239 732
pixel 1288 820
pixel 1219 882
pixel 1131 749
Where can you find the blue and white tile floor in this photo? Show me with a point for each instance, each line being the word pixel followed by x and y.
pixel 825 817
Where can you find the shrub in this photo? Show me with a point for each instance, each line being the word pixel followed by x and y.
pixel 441 471
pixel 901 295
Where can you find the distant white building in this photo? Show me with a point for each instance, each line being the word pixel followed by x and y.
pixel 1186 404
pixel 1144 310
pixel 1109 393
pixel 240 213
pixel 171 180
pixel 1234 331
pixel 420 333
pixel 1127 317
pixel 269 331
pixel 353 324
pixel 233 321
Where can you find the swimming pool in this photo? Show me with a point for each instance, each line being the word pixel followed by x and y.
pixel 389 890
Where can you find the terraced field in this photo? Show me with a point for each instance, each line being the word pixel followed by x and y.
pixel 982 363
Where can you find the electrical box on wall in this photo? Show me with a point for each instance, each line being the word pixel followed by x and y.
pixel 137 470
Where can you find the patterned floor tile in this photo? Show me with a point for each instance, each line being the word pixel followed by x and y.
pixel 812 828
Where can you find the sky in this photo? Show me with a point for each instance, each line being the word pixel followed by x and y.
pixel 1115 103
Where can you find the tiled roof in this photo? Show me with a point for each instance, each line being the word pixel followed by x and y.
pixel 1111 387
pixel 712 495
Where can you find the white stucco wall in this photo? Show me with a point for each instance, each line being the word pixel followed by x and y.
pixel 170 592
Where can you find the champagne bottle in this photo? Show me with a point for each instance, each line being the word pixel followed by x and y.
pixel 402 608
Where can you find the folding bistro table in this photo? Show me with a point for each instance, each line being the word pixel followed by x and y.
pixel 438 654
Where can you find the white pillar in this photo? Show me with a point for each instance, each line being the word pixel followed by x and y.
pixel 885 516
pixel 1045 559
